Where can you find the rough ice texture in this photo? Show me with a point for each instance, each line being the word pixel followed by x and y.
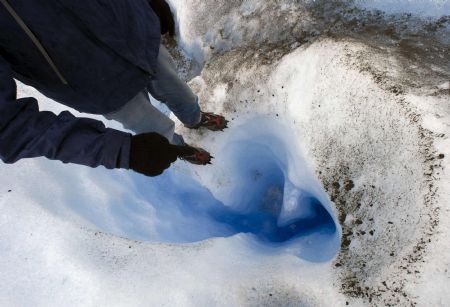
pixel 425 8
pixel 362 101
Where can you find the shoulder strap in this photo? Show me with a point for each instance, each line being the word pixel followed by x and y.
pixel 34 39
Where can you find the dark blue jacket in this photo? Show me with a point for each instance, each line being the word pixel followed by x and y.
pixel 105 49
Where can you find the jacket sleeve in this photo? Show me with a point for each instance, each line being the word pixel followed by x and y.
pixel 25 132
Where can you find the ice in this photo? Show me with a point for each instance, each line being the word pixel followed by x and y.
pixel 197 228
pixel 256 174
pixel 246 197
pixel 312 89
pixel 425 8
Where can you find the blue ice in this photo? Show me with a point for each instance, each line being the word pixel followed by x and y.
pixel 270 195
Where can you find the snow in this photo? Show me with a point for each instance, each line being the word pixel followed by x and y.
pixel 58 263
pixel 431 290
pixel 336 128
pixel 323 131
pixel 445 86
pixel 426 8
pixel 64 258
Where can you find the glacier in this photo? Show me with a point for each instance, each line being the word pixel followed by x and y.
pixel 330 187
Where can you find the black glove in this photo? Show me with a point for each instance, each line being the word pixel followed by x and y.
pixel 162 9
pixel 151 154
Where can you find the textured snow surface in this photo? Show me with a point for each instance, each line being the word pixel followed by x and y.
pixel 339 119
pixel 426 8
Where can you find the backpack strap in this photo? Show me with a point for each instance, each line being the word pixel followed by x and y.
pixel 34 39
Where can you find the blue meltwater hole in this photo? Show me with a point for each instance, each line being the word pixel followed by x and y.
pixel 259 185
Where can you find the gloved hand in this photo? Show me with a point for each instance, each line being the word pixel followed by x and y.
pixel 151 154
pixel 162 9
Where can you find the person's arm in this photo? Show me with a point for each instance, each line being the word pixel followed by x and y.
pixel 26 132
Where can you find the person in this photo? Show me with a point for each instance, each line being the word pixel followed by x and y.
pixel 98 57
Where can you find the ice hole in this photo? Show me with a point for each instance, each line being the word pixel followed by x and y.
pixel 259 186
